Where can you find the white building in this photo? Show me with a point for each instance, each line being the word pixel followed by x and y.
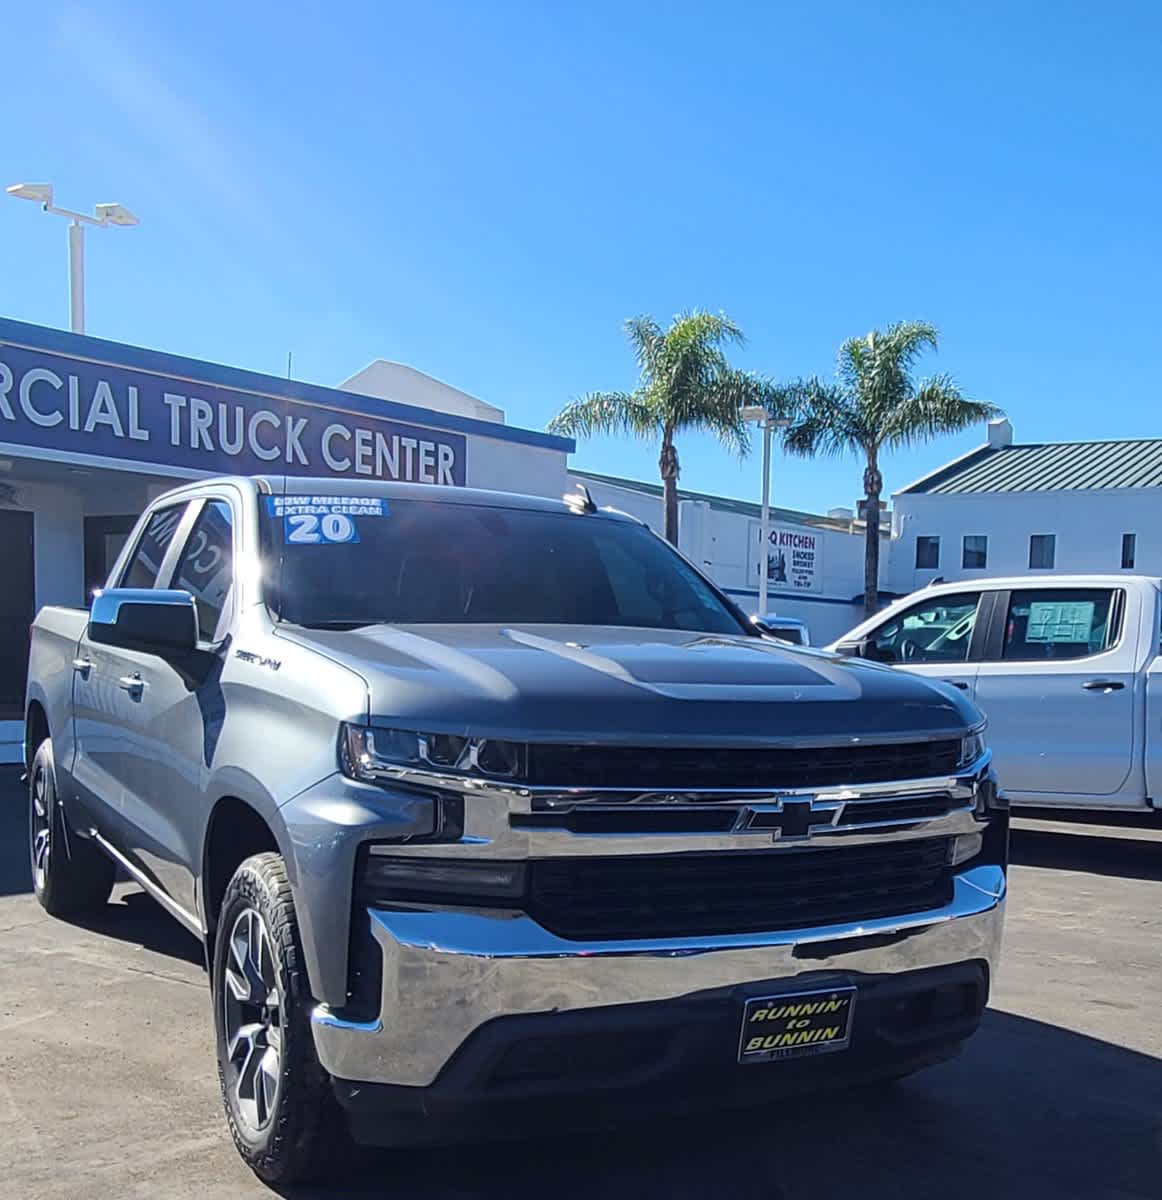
pixel 1009 508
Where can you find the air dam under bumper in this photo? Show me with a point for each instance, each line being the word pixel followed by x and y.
pixel 447 972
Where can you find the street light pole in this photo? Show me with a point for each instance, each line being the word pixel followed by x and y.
pixel 77 277
pixel 761 417
pixel 104 215
pixel 765 521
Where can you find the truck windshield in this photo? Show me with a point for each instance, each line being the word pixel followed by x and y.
pixel 347 561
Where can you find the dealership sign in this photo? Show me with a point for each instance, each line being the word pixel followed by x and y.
pixel 74 406
pixel 794 557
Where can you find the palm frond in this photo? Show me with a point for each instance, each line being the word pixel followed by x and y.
pixel 704 329
pixel 936 406
pixel 720 408
pixel 646 337
pixel 905 341
pixel 878 367
pixel 608 412
pixel 824 419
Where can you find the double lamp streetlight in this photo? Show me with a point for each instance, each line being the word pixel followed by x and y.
pixel 103 215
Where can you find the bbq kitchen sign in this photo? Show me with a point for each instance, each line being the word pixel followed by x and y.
pixel 794 557
pixel 76 406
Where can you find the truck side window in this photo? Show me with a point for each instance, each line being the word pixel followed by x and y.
pixel 935 630
pixel 1055 623
pixel 142 569
pixel 206 567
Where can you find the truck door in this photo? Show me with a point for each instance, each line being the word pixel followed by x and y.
pixel 150 727
pixel 104 699
pixel 177 724
pixel 935 637
pixel 1058 687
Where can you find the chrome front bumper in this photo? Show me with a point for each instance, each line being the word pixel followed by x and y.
pixel 448 972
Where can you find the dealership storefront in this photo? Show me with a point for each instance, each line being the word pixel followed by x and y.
pixel 91 431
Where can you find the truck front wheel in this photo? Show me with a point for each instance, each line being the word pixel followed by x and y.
pixel 279 1104
pixel 70 875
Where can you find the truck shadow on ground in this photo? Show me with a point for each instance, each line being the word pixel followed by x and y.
pixel 1098 854
pixel 1029 1110
pixel 134 917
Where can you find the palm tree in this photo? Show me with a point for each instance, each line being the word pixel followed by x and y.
pixel 876 405
pixel 685 383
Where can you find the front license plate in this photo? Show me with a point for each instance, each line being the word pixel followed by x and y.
pixel 796 1024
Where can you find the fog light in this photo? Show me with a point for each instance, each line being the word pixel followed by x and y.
pixel 398 878
pixel 964 847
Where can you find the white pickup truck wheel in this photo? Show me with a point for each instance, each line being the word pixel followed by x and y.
pixel 282 1113
pixel 69 874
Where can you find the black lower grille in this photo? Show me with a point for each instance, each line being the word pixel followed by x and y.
pixel 680 895
pixel 678 767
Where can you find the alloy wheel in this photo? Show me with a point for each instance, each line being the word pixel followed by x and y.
pixel 252 1020
pixel 41 833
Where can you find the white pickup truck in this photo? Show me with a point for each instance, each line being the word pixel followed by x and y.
pixel 1065 667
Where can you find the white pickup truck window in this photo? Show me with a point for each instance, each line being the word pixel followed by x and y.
pixel 1053 623
pixel 938 629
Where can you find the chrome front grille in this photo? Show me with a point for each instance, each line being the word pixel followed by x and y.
pixel 731 814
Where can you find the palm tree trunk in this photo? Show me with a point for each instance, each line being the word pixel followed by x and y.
pixel 668 466
pixel 873 483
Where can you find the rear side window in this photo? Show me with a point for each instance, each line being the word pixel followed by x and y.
pixel 142 569
pixel 1056 623
pixel 206 567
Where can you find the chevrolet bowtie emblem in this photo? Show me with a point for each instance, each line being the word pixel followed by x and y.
pixel 788 818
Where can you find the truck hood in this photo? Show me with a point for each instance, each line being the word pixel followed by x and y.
pixel 620 685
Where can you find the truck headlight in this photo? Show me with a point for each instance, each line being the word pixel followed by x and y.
pixel 373 753
pixel 972 746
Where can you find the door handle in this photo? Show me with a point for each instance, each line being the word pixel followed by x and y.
pixel 82 666
pixel 958 683
pixel 133 684
pixel 1103 685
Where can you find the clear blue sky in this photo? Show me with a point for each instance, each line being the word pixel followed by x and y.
pixel 486 190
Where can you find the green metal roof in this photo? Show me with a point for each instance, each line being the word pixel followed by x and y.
pixel 1049 467
pixel 722 503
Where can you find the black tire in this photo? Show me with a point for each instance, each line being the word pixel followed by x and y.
pixel 70 875
pixel 298 1132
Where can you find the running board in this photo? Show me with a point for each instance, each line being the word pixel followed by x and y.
pixel 138 876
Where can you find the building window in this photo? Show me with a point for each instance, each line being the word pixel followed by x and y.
pixel 1129 550
pixel 976 552
pixel 1042 551
pixel 927 553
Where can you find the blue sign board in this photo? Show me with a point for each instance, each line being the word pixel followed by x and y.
pixel 75 405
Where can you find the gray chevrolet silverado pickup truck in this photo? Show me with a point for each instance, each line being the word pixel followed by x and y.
pixel 484 804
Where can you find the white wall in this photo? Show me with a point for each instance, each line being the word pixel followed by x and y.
pixel 515 467
pixel 1088 526
pixel 385 380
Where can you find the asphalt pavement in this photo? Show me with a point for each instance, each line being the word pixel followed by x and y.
pixel 108 1087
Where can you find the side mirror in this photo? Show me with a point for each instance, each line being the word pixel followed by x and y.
pixel 864 648
pixel 164 623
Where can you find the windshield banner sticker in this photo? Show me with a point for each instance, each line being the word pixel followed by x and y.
pixel 323 520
